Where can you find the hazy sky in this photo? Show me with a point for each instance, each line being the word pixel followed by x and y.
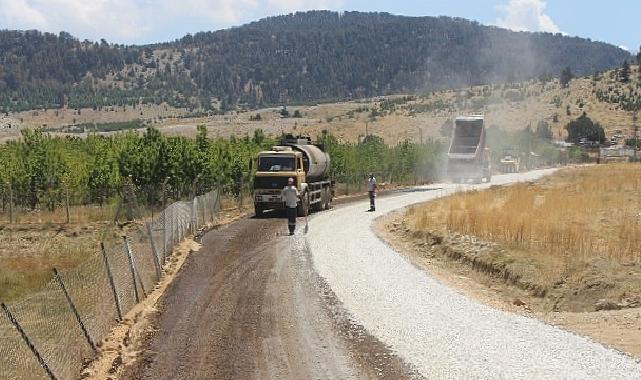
pixel 144 21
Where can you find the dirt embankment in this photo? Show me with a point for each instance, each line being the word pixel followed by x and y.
pixel 599 284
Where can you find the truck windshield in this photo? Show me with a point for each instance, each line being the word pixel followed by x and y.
pixel 276 164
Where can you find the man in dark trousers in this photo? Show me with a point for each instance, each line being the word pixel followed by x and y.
pixel 371 190
pixel 290 198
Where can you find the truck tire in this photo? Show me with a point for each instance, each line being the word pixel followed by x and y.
pixel 303 207
pixel 328 199
pixel 258 210
pixel 318 206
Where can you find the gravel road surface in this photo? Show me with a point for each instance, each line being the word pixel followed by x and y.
pixel 249 305
pixel 440 332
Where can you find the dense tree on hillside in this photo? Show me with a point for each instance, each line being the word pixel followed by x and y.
pixel 624 72
pixel 584 129
pixel 309 56
pixel 543 131
pixel 566 77
pixel 639 63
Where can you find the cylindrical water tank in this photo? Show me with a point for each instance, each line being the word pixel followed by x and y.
pixel 316 162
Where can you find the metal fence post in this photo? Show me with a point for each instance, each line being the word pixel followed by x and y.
pixel 27 341
pixel 194 215
pixel 10 203
pixel 154 253
pixel 212 206
pixel 218 198
pixel 171 221
pixel 164 220
pixel 202 209
pixel 164 235
pixel 74 310
pixel 131 267
pixel 111 281
pixel 240 193
pixel 67 204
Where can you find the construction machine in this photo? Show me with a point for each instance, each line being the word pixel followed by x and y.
pixel 298 158
pixel 510 162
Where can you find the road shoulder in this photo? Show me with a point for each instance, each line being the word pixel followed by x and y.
pixel 619 329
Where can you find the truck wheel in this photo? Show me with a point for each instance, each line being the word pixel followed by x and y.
pixel 303 207
pixel 318 205
pixel 258 210
pixel 328 199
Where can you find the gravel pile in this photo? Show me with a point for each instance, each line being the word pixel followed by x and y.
pixel 443 333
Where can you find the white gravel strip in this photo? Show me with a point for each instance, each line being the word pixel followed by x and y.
pixel 440 331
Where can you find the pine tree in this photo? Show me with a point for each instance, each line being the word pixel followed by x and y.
pixel 624 72
pixel 566 77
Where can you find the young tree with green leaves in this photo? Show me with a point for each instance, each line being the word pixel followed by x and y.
pixel 584 128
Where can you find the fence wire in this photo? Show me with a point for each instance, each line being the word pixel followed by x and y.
pixel 62 329
pixel 17 361
pixel 46 318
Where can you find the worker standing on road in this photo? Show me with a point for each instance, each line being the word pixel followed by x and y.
pixel 371 190
pixel 290 197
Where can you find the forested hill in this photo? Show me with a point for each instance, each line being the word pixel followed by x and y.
pixel 311 56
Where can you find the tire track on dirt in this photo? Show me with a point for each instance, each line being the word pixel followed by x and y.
pixel 249 305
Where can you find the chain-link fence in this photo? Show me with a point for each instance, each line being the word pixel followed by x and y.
pixel 55 332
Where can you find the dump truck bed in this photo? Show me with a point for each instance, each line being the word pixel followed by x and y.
pixel 467 137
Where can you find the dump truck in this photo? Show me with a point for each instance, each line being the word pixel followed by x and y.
pixel 298 158
pixel 467 158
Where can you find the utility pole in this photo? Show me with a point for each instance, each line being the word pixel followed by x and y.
pixel 636 134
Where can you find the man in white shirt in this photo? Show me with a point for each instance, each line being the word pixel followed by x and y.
pixel 290 198
pixel 371 190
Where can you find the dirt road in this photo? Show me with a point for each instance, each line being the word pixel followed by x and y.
pixel 249 305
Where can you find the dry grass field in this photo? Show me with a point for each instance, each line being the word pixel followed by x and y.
pixel 574 237
pixel 575 215
pixel 29 251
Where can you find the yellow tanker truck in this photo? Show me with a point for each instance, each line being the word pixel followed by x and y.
pixel 298 158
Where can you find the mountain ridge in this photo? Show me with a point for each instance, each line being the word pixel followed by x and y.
pixel 302 57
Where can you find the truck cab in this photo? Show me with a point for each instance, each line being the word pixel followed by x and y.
pixel 273 169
